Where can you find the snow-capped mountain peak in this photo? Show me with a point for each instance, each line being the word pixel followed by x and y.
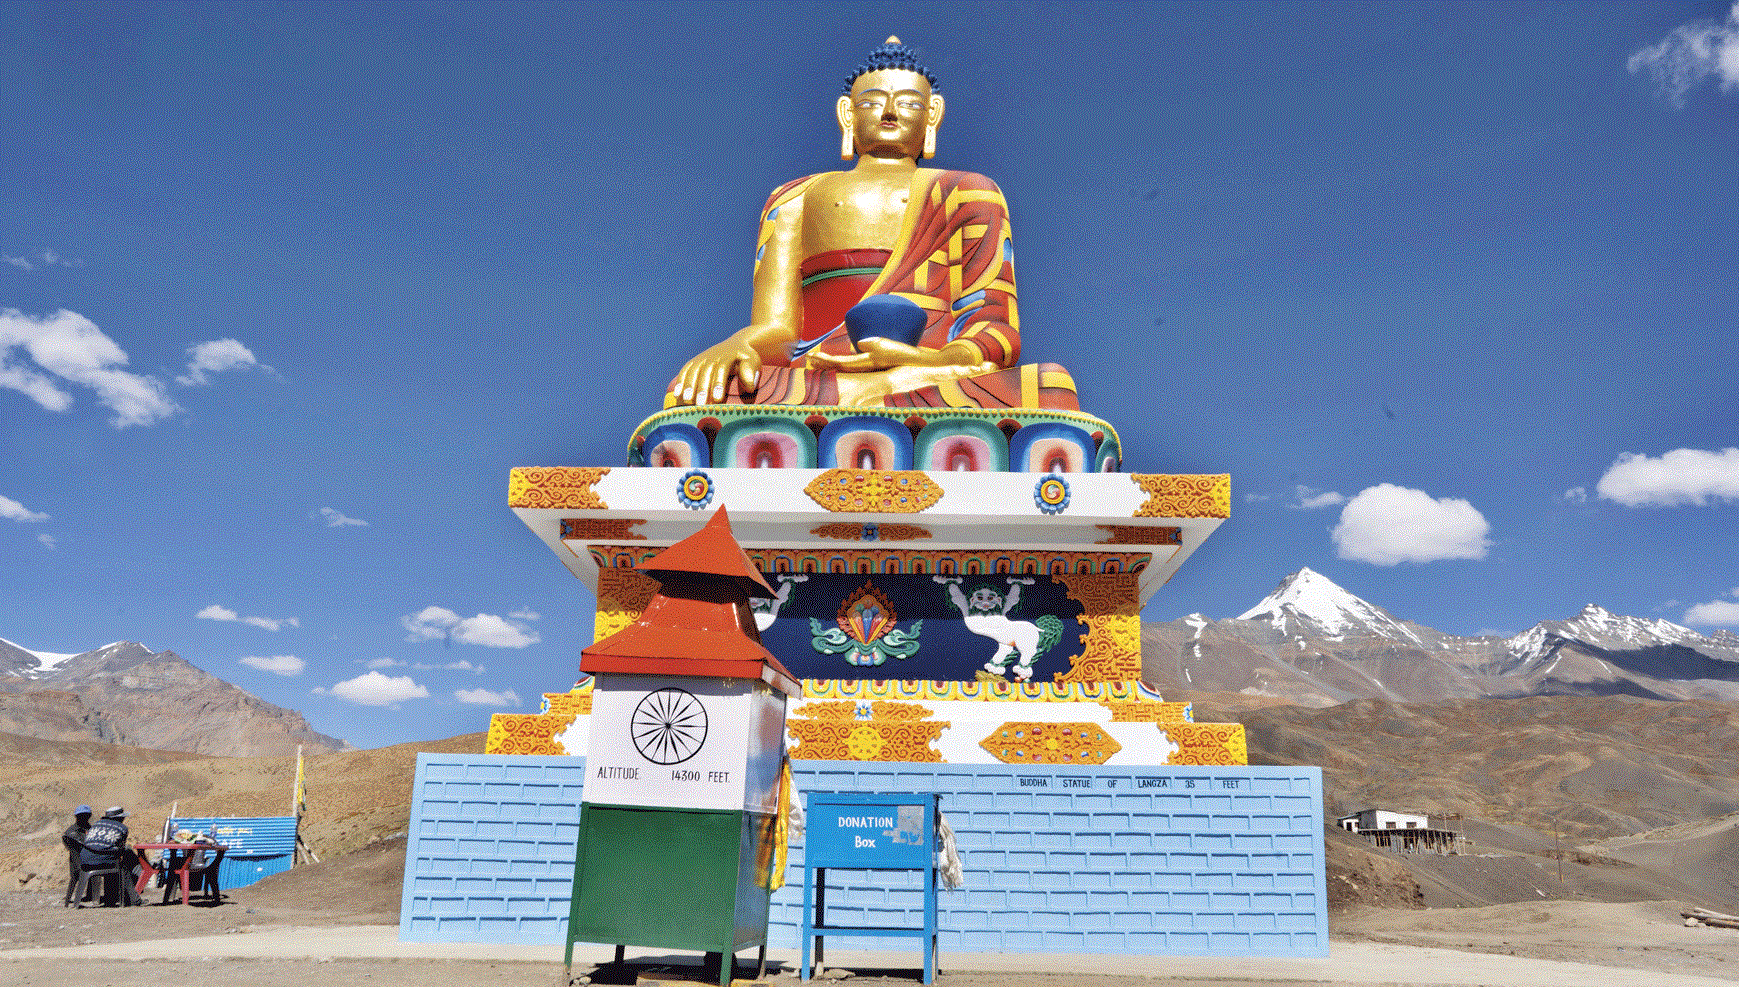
pixel 1309 602
pixel 1314 643
pixel 28 662
pixel 1602 628
pixel 1598 621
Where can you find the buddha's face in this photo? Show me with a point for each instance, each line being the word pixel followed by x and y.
pixel 888 111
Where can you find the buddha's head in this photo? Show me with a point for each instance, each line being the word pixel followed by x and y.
pixel 890 107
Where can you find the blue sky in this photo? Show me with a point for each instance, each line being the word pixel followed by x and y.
pixel 1451 290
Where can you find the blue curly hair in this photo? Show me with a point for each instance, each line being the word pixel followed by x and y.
pixel 891 55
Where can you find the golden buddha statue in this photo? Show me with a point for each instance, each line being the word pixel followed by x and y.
pixel 888 284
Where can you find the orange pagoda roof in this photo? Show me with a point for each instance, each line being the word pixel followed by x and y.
pixel 699 621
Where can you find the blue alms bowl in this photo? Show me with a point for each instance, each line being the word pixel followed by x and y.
pixel 887 316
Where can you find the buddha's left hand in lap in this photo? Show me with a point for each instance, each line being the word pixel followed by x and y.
pixel 881 353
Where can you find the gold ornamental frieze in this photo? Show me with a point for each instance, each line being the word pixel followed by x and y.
pixel 1135 534
pixel 1050 743
pixel 1209 744
pixel 599 529
pixel 848 710
pixel 1149 712
pixel 866 740
pixel 556 486
pixel 1111 611
pixel 525 733
pixel 1189 495
pixel 853 531
pixel 874 491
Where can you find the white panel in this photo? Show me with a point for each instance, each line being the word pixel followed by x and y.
pixel 670 741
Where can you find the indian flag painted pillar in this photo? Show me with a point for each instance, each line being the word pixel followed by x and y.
pixel 679 819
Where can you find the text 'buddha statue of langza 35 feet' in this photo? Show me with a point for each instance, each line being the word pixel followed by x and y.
pixel 887 285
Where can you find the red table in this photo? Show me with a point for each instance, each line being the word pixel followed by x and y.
pixel 185 855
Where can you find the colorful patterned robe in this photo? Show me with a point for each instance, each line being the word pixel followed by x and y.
pixel 954 260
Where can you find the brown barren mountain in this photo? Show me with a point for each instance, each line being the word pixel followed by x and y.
pixel 124 693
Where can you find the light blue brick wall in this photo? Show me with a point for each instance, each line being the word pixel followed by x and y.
pixel 1196 861
pixel 490 850
pixel 1171 861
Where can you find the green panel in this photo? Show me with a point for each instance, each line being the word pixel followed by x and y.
pixel 661 877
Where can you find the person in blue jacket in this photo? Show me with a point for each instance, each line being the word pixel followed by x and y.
pixel 106 843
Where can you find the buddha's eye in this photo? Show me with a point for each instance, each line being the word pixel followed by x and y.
pixel 911 104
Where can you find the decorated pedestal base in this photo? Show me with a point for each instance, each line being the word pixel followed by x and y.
pixel 967 617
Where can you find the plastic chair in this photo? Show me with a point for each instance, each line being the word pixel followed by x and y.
pixel 105 870
pixel 202 884
pixel 205 883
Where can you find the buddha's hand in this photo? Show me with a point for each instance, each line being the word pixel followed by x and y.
pixel 703 380
pixel 881 353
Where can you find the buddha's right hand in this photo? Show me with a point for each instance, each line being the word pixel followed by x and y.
pixel 703 380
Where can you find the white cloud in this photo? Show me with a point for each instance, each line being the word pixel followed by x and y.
pixel 48 258
pixel 1576 495
pixel 1691 53
pixel 68 348
pixel 1715 613
pixel 383 663
pixel 46 539
pixel 225 614
pixel 483 697
pixel 334 519
pixel 452 666
pixel 375 689
pixel 1388 525
pixel 214 357
pixel 286 665
pixel 439 623
pixel 12 510
pixel 1682 476
pixel 526 613
pixel 1310 500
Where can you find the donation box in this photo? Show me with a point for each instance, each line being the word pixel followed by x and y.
pixel 864 831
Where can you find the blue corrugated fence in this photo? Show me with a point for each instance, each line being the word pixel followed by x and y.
pixel 259 846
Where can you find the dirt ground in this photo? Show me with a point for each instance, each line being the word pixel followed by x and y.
pixel 1521 893
pixel 362 889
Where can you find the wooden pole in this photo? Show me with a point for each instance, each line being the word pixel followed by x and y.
pixel 296 806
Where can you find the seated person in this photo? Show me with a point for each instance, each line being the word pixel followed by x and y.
pixel 888 284
pixel 105 845
pixel 74 841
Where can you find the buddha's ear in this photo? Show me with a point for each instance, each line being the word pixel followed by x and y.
pixel 931 122
pixel 847 146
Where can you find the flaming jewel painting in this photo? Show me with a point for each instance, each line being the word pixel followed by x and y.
pixel 866 634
